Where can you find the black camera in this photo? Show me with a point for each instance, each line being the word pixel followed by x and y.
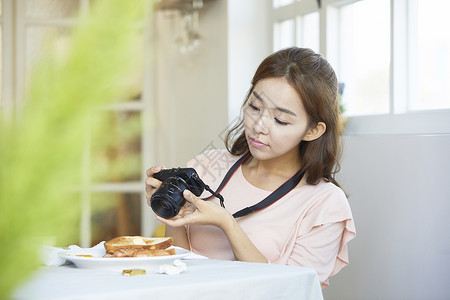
pixel 168 199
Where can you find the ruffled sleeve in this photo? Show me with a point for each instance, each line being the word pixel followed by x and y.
pixel 321 235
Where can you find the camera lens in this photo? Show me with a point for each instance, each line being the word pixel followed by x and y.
pixel 166 206
pixel 162 205
pixel 168 199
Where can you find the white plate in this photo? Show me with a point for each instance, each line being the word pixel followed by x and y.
pixel 97 261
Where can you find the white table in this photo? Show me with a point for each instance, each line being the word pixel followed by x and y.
pixel 203 279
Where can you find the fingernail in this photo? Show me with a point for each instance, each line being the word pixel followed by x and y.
pixel 186 192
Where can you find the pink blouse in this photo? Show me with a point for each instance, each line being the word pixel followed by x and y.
pixel 310 226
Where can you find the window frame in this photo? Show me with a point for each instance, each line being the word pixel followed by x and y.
pixel 399 120
pixel 6 101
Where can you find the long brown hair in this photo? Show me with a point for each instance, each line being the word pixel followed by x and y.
pixel 316 83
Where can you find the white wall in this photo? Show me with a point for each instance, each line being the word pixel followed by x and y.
pixel 400 197
pixel 191 90
pixel 249 42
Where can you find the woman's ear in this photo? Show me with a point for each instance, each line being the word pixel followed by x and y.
pixel 315 132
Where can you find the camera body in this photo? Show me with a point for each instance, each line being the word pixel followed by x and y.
pixel 168 199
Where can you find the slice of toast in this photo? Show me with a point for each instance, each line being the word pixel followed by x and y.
pixel 138 243
pixel 157 252
pixel 142 253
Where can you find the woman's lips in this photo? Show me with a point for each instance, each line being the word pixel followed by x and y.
pixel 256 143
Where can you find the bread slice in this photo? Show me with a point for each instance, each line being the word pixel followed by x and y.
pixel 157 252
pixel 142 253
pixel 137 243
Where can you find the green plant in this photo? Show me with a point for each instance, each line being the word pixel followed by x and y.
pixel 41 152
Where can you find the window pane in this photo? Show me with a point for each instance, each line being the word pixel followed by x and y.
pixel 115 214
pixel 52 8
pixel 134 83
pixel 284 34
pixel 308 31
pixel 40 39
pixel 117 156
pixel 364 55
pixel 279 3
pixel 433 56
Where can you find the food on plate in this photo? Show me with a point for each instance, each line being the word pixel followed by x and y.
pixel 143 252
pixel 138 243
pixel 139 246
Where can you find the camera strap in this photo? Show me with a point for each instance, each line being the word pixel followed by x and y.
pixel 285 188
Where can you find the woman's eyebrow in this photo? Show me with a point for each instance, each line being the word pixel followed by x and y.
pixel 282 109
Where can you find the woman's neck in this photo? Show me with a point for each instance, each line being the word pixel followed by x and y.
pixel 270 173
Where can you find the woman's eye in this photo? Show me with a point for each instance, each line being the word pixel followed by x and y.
pixel 253 106
pixel 280 122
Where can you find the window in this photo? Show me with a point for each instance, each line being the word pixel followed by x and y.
pixel 430 57
pixel 284 34
pixel 364 56
pixel 392 57
pixel 279 3
pixel 308 31
pixel 295 29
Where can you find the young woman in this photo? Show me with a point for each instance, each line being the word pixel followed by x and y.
pixel 288 134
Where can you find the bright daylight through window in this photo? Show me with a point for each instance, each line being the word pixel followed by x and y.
pixel 392 57
pixel 363 56
pixel 430 59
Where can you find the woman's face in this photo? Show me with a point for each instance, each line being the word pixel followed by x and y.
pixel 275 120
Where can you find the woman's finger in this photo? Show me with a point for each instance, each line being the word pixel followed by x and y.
pixel 150 172
pixel 186 208
pixel 191 198
pixel 151 183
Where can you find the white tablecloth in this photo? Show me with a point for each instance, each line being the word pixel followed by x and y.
pixel 203 279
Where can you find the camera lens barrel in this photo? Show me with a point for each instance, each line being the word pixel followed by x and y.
pixel 168 199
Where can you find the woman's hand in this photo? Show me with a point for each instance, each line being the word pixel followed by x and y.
pixel 151 183
pixel 200 212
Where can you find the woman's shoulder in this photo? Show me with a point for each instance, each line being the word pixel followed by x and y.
pixel 326 193
pixel 328 187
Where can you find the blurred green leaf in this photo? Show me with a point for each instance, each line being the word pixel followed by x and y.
pixel 41 153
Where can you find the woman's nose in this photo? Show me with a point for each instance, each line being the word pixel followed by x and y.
pixel 260 124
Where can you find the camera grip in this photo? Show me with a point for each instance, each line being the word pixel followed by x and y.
pixel 164 174
pixel 185 173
